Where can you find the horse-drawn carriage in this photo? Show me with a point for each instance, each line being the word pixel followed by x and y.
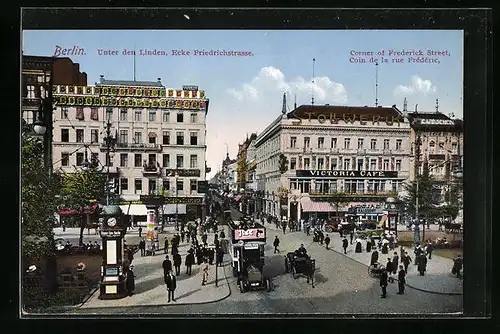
pixel 300 265
pixel 375 270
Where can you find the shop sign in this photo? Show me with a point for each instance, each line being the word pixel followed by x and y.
pixel 184 200
pixel 251 245
pixel 251 233
pixel 107 233
pixel 346 173
pixel 334 118
pixel 183 172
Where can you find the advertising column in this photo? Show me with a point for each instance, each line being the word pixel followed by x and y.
pixel 152 232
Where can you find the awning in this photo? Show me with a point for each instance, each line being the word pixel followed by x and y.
pixel 310 206
pixel 135 209
pixel 90 209
pixel 237 198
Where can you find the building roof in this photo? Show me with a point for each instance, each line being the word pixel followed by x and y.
pixel 304 110
pixel 104 82
pixel 434 121
pixel 427 115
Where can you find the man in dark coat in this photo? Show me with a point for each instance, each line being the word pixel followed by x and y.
pixel 167 265
pixel 283 225
pixel 177 263
pixel 140 231
pixel 389 266
pixel 171 283
pixel 429 249
pixel 199 255
pixel 204 238
pixel 406 261
pixel 142 247
pixel 401 280
pixel 216 242
pixel 327 241
pixel 374 258
pixel 457 266
pixel 345 243
pixel 395 262
pixel 165 248
pixel 276 243
pixel 211 256
pixel 130 281
pixel 383 283
pixel 204 253
pixel 351 236
pixel 368 245
pixel 418 250
pixel 340 230
pixel 189 262
pixel 422 264
pixel 175 250
pixel 219 256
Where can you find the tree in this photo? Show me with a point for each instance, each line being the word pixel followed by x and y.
pixel 38 205
pixel 80 189
pixel 426 199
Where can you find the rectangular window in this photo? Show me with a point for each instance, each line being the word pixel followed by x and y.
pixel 180 161
pixel 152 116
pixel 138 160
pixel 373 164
pixel 306 163
pixel 152 139
pixel 64 113
pixel 334 143
pixel 180 185
pixel 307 142
pixel 64 159
pixel 94 114
pixel 180 138
pixel 333 165
pixel 166 116
pixel 94 136
pixel 138 137
pixel 386 144
pixel 321 163
pixel 193 138
pixel 293 142
pixel 361 186
pixel 151 186
pixel 441 147
pixel 138 186
pixel 152 159
pixel 124 160
pixel 347 164
pixel 31 92
pixel 386 164
pixel 321 142
pixel 124 183
pixel 399 142
pixel 193 185
pixel 138 116
pixel 166 160
pixel 194 118
pixel 347 143
pixel 193 161
pixel 109 114
pixel 123 137
pixel 166 137
pixel 180 117
pixel 398 165
pixel 123 115
pixel 79 159
pixel 373 144
pixel 454 147
pixel 166 185
pixel 360 164
pixel 79 114
pixel 293 163
pixel 79 135
pixel 360 143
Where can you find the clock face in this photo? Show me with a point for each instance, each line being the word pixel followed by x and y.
pixel 111 222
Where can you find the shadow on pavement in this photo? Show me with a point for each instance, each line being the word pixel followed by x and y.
pixel 147 285
pixel 274 266
pixel 188 293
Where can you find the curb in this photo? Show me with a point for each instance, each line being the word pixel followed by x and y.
pixel 408 285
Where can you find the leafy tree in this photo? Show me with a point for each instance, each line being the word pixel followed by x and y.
pixel 80 189
pixel 426 198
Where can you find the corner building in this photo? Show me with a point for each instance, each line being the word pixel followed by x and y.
pixel 333 161
pixel 160 132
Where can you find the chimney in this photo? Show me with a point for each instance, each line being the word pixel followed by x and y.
pixel 159 80
pixel 102 78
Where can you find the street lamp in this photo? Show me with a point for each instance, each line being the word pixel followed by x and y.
pixel 176 201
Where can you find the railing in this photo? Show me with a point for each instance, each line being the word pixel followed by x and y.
pixel 135 146
pixel 151 168
pixel 360 194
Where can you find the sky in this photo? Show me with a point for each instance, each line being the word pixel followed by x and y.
pixel 246 92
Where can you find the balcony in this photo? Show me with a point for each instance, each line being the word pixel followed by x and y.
pixel 437 157
pixel 134 147
pixel 151 169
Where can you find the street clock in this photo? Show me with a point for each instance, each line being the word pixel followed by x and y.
pixel 111 222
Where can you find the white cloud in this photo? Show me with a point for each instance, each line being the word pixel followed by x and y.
pixel 417 86
pixel 270 81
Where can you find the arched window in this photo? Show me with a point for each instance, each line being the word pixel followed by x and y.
pixel 431 146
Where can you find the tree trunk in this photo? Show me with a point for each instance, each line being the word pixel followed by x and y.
pixel 83 224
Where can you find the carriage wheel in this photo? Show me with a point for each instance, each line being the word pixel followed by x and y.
pixel 242 286
pixel 294 272
pixel 269 285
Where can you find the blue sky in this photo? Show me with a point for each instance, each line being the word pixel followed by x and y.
pixel 246 92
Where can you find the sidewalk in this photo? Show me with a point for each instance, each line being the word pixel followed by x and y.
pixel 438 277
pixel 150 288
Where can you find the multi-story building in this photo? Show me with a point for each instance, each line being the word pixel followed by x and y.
pixel 440 149
pixel 242 161
pixel 160 136
pixel 333 160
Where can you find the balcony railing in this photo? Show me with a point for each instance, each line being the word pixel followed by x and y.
pixel 151 168
pixel 135 146
pixel 357 194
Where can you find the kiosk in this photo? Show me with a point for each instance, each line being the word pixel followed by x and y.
pixel 113 279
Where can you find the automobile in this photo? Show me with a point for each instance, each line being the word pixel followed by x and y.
pixel 333 226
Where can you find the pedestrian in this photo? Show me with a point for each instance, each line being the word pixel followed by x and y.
pixel 189 262
pixel 177 264
pixel 368 245
pixel 308 229
pixel 130 281
pixel 276 243
pixel 321 237
pixel 165 248
pixel 391 241
pixel 406 261
pixel 216 242
pixel 389 266
pixel 222 235
pixel 167 266
pixel 64 227
pixel 211 255
pixel 204 271
pixel 340 230
pixel 395 262
pixel 374 257
pixel 345 243
pixel 418 250
pixel 130 255
pixel 183 234
pixel 422 264
pixel 153 250
pixel 171 283
pixel 429 249
pixel 385 248
pixel 327 241
pixel 358 247
pixel 351 236
pixel 219 256
pixel 140 231
pixel 204 238
pixel 175 250
pixel 457 266
pixel 383 282
pixel 283 225
pixel 401 280
pixel 142 246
